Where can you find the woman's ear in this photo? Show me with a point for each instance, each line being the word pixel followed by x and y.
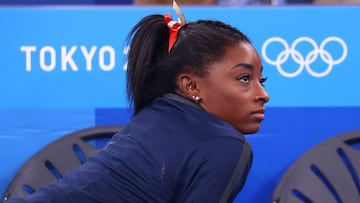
pixel 188 86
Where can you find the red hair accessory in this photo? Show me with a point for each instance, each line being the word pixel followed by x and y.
pixel 174 26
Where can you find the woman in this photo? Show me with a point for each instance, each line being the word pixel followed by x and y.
pixel 197 88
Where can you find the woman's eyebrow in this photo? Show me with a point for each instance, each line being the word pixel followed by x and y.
pixel 247 66
pixel 244 65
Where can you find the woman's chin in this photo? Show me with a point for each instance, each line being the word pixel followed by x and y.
pixel 250 129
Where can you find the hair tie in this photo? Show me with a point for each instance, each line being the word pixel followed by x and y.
pixel 174 26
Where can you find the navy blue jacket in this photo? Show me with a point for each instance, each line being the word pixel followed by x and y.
pixel 171 151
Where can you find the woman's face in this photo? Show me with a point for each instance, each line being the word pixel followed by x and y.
pixel 233 90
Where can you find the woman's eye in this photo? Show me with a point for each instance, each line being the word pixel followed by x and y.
pixel 263 80
pixel 244 79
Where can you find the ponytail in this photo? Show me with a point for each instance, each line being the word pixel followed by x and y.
pixel 148 42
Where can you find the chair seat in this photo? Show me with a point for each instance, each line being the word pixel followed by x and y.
pixel 56 159
pixel 329 172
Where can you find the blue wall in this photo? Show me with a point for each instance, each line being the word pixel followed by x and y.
pixel 62 70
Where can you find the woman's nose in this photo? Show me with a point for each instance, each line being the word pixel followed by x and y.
pixel 262 95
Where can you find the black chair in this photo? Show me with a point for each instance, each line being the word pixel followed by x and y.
pixel 327 173
pixel 56 159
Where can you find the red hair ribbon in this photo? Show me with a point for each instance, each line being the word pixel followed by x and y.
pixel 173 29
pixel 174 26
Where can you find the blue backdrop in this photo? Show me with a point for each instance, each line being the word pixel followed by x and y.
pixel 62 70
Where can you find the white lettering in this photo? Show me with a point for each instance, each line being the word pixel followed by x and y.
pixel 126 52
pixel 88 56
pixel 28 50
pixel 69 59
pixel 52 53
pixel 111 52
pixel 66 58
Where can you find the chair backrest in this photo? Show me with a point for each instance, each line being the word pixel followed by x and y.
pixel 56 159
pixel 329 172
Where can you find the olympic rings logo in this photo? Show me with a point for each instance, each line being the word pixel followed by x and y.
pixel 304 62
